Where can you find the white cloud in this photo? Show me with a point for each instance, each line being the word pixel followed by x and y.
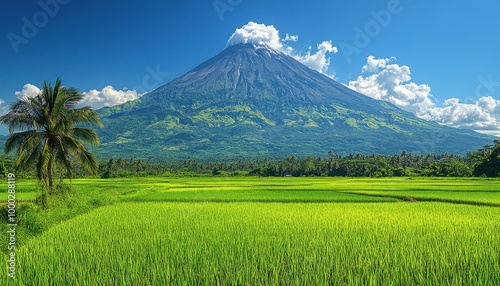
pixel 3 108
pixel 293 38
pixel 392 83
pixel 482 116
pixel 28 90
pixel 382 79
pixel 108 96
pixel 319 61
pixel 373 64
pixel 261 34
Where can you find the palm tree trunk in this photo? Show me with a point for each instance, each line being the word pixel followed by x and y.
pixel 49 175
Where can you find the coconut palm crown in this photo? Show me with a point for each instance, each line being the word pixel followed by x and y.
pixel 44 134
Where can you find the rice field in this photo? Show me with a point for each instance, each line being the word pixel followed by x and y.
pixel 22 197
pixel 272 231
pixel 283 196
pixel 464 197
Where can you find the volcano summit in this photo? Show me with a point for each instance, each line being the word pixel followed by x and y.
pixel 251 100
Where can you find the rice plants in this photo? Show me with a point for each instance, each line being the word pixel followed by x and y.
pixel 268 244
pixel 489 198
pixel 255 195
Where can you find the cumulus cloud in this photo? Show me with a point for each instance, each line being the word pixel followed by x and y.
pixel 373 64
pixel 259 34
pixel 392 83
pixel 264 35
pixel 293 38
pixel 482 116
pixel 320 60
pixel 108 96
pixel 3 108
pixel 384 80
pixel 28 90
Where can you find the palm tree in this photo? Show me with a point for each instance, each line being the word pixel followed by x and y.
pixel 43 133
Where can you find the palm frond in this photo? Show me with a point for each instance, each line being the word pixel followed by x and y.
pixel 30 152
pixel 18 122
pixel 64 123
pixel 86 135
pixel 85 115
pixel 80 153
pixel 16 139
pixel 43 131
pixel 88 161
pixel 48 96
pixel 73 99
pixel 21 116
pixel 62 155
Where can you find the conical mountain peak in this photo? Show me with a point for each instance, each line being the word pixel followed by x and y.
pixel 251 100
pixel 262 75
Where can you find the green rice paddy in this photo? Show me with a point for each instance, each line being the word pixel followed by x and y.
pixel 272 231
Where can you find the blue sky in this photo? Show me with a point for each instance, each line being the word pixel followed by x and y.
pixel 438 59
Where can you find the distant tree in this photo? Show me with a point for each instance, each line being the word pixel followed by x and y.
pixel 3 170
pixel 331 159
pixel 139 166
pixel 458 168
pixel 43 132
pixel 121 163
pixel 490 165
pixel 216 172
pixel 110 167
pixel 308 165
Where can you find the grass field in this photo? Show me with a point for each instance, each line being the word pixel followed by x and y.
pixel 270 231
pixel 283 196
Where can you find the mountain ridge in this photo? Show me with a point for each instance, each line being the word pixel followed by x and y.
pixel 252 101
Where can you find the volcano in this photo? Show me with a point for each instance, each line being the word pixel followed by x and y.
pixel 253 101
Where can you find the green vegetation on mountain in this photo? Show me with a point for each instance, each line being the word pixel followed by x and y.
pixel 254 102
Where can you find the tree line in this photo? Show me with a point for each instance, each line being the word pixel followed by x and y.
pixel 484 162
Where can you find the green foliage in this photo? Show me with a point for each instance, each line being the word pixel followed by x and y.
pixel 359 165
pixel 488 161
pixel 254 195
pixel 34 217
pixel 268 244
pixel 89 194
pixel 44 135
pixel 242 128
